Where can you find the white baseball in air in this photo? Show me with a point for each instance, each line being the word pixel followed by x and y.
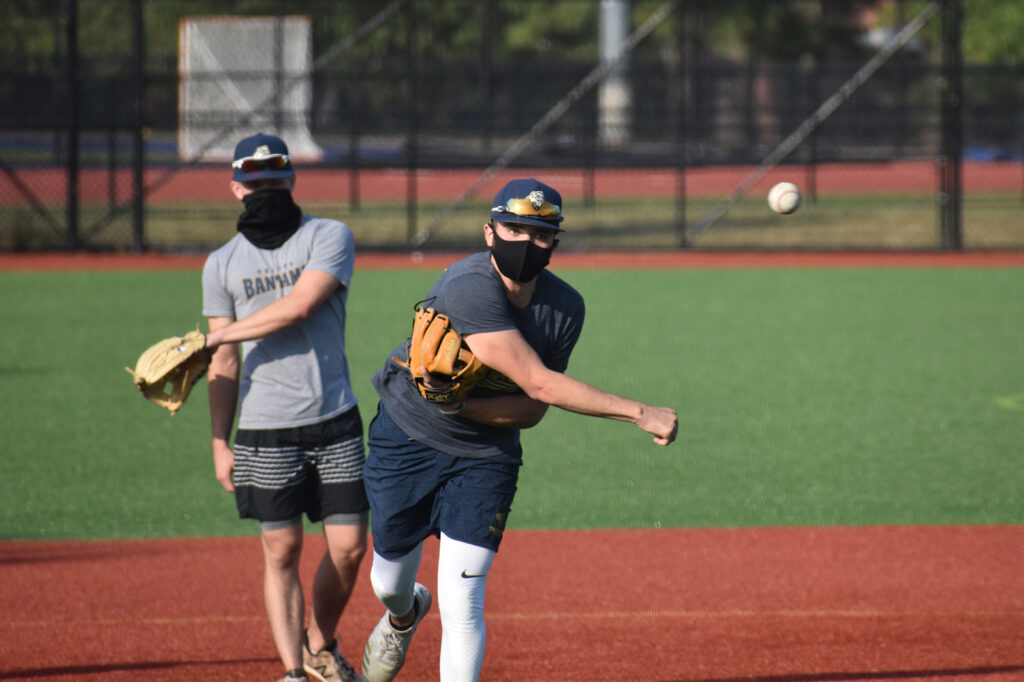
pixel 784 198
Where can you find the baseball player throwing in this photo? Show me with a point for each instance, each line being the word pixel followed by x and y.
pixel 449 469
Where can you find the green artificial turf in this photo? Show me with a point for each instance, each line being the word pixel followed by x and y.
pixel 808 397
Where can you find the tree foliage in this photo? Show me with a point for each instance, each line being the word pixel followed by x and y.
pixel 554 29
pixel 994 32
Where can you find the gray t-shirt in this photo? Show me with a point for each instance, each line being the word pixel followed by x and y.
pixel 471 293
pixel 299 375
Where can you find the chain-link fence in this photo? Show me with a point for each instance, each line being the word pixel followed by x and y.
pixel 662 123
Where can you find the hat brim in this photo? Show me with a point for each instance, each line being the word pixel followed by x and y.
pixel 241 176
pixel 513 219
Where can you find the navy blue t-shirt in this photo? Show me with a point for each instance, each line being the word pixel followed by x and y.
pixel 471 293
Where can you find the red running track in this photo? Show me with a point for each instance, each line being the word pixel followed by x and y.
pixel 206 184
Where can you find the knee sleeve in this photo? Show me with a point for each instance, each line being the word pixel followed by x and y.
pixel 393 580
pixel 461 586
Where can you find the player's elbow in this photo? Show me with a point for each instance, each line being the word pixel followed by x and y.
pixel 303 310
pixel 297 310
pixel 224 363
pixel 538 382
pixel 541 391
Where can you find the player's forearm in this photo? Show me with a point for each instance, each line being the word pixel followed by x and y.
pixel 222 412
pixel 576 396
pixel 573 395
pixel 273 318
pixel 311 290
pixel 222 387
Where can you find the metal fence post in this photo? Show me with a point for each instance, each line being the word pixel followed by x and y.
pixel 138 125
pixel 72 238
pixel 412 140
pixel 951 157
pixel 679 107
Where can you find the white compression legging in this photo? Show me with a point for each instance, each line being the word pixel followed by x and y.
pixel 461 583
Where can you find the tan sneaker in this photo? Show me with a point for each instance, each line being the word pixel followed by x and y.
pixel 386 648
pixel 328 665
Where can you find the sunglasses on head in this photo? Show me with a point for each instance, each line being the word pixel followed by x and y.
pixel 546 210
pixel 251 164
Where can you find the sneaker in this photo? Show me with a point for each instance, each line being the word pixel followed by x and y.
pixel 386 647
pixel 293 677
pixel 328 665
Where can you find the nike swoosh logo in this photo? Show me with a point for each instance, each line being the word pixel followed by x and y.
pixel 471 575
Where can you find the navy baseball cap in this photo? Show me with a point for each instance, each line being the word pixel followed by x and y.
pixel 528 202
pixel 262 156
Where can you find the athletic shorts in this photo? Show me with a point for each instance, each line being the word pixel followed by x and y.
pixel 416 491
pixel 316 470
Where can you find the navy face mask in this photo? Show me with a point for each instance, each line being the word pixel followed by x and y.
pixel 270 217
pixel 520 261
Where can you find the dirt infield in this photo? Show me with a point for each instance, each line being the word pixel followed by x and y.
pixel 715 605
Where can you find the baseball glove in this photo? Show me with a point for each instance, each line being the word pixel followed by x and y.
pixel 436 346
pixel 167 370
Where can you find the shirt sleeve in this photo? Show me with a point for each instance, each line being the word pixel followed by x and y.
pixel 474 303
pixel 569 334
pixel 217 300
pixel 333 251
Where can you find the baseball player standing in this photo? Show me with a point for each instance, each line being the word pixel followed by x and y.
pixel 451 470
pixel 279 288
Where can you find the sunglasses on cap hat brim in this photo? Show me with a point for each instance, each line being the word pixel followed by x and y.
pixel 252 164
pixel 525 207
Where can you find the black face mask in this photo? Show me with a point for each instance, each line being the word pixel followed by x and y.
pixel 270 217
pixel 520 261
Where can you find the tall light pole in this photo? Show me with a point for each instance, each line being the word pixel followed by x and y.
pixel 614 95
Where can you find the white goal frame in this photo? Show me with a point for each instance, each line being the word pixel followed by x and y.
pixel 243 75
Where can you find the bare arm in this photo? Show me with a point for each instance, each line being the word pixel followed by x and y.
pixel 310 291
pixel 223 391
pixel 508 353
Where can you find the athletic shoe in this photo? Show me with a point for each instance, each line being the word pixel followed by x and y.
pixel 291 677
pixel 328 665
pixel 386 647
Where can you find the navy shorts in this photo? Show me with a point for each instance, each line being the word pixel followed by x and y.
pixel 316 470
pixel 416 491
